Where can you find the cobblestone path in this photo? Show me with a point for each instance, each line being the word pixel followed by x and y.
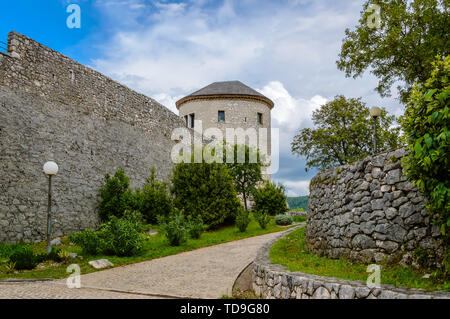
pixel 203 273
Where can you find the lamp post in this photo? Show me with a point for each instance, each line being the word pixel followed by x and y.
pixel 50 169
pixel 375 112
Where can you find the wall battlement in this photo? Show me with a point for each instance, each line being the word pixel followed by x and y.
pixel 36 69
pixel 53 108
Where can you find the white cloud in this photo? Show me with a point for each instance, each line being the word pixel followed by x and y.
pixel 296 188
pixel 290 113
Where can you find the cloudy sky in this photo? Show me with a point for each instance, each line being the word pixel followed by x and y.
pixel 285 49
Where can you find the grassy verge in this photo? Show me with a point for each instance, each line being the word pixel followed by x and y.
pixel 156 246
pixel 291 252
pixel 299 219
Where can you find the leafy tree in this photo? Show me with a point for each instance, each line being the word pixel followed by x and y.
pixel 410 35
pixel 269 199
pixel 246 175
pixel 115 196
pixel 426 129
pixel 153 200
pixel 205 190
pixel 343 134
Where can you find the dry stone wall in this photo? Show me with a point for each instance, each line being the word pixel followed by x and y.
pixel 271 281
pixel 53 108
pixel 367 211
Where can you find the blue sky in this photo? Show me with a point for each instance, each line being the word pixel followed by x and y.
pixel 286 49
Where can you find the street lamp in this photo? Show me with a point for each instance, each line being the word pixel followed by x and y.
pixel 50 169
pixel 375 112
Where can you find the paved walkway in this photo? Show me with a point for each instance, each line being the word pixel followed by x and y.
pixel 203 273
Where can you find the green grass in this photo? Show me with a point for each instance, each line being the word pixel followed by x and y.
pixel 155 247
pixel 291 252
pixel 299 219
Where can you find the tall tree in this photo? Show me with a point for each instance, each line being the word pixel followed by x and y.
pixel 343 134
pixel 398 42
pixel 246 172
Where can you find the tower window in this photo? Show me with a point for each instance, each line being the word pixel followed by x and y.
pixel 186 120
pixel 260 118
pixel 221 116
pixel 192 119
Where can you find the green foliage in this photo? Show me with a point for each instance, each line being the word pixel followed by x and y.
pixel 89 241
pixel 10 267
pixel 242 219
pixel 343 134
pixel 205 190
pixel 24 258
pixel 270 199
pixel 195 227
pixel 426 129
pixel 174 227
pixel 297 203
pixel 292 251
pixel 263 219
pixel 283 220
pixel 245 170
pixel 121 236
pixel 411 34
pixel 64 256
pixel 117 236
pixel 6 249
pixel 153 200
pixel 53 255
pixel 115 196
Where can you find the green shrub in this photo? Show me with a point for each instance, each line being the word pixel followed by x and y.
pixel 117 236
pixel 88 240
pixel 121 236
pixel 115 196
pixel 263 219
pixel 246 171
pixel 270 199
pixel 153 200
pixel 54 254
pixel 283 219
pixel 206 190
pixel 6 249
pixel 426 127
pixel 195 227
pixel 174 227
pixel 242 220
pixel 24 258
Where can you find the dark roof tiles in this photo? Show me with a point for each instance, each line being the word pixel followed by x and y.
pixel 227 88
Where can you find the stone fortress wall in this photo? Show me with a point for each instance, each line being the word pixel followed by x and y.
pixel 53 108
pixel 367 211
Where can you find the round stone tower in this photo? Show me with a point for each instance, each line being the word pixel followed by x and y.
pixel 233 105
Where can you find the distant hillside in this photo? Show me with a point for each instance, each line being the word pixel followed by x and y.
pixel 298 202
